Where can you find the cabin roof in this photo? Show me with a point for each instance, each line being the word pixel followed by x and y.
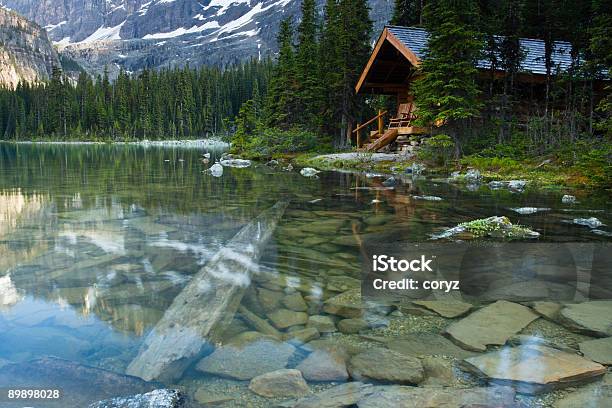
pixel 411 42
pixel 534 60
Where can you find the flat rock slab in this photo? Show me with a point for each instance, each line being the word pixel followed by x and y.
pixel 380 364
pixel 427 344
pixel 593 318
pixel 549 310
pixel 280 383
pixel 416 397
pixel 161 398
pixel 599 350
pixel 534 369
pixel 445 308
pixel 491 325
pixel 599 396
pixel 81 385
pixel 347 304
pixel 244 363
pixel 344 395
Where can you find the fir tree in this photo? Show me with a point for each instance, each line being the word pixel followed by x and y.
pixel 448 90
pixel 408 13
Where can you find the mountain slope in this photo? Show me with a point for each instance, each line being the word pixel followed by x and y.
pixel 26 54
pixel 134 34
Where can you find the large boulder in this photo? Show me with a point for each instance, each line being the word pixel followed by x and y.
pixel 491 325
pixel 244 363
pixel 280 383
pixel 533 369
pixel 386 365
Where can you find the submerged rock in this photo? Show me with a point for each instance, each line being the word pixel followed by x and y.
pixel 244 363
pixel 344 395
pixel 216 170
pixel 427 344
pixel 533 369
pixel 323 324
pixel 396 396
pixel 529 210
pixel 284 318
pixel 280 383
pixel 325 365
pixel 568 199
pixel 347 304
pixel 445 308
pixel 161 398
pixel 352 326
pixel 380 364
pixel 588 222
pixel 496 227
pixel 309 172
pixel 238 163
pixel 491 325
pixel 591 318
pixel 592 396
pixel 601 232
pixel 599 350
pixel 81 385
pixel 496 185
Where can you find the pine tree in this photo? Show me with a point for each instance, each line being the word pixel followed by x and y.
pixel 282 106
pixel 307 67
pixel 408 13
pixel 448 90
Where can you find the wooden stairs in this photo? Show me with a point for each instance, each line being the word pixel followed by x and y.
pixel 381 141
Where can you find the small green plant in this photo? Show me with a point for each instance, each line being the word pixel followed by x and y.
pixel 437 149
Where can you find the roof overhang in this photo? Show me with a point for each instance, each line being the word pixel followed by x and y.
pixel 383 75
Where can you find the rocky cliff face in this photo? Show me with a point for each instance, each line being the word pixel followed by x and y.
pixel 134 34
pixel 26 54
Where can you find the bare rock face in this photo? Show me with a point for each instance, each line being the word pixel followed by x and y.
pixel 134 34
pixel 533 369
pixel 280 383
pixel 491 325
pixel 26 54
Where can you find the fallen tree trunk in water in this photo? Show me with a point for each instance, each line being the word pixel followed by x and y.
pixel 200 313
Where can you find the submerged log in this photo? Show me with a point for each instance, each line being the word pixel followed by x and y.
pixel 199 314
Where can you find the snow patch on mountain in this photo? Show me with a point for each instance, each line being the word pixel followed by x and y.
pixel 182 31
pixel 104 34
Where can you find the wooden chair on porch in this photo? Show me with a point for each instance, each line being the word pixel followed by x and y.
pixel 405 115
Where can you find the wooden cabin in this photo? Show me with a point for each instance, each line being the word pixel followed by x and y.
pixel 393 66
